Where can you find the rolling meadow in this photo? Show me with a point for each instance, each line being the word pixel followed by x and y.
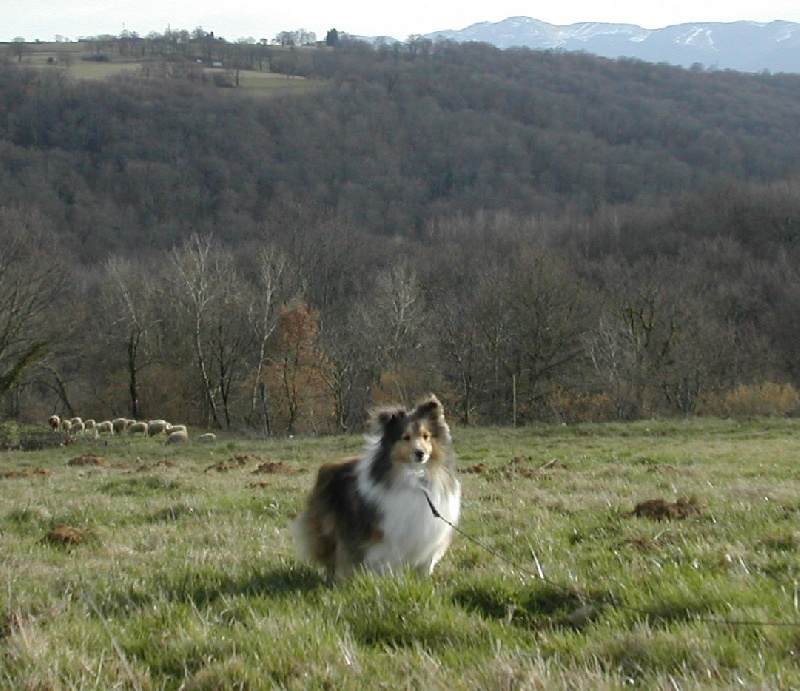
pixel 653 554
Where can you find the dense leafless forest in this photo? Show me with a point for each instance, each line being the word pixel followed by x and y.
pixel 534 236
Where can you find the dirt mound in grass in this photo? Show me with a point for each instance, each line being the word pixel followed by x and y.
pixel 662 510
pixel 274 468
pixel 12 474
pixel 221 467
pixel 147 466
pixel 519 466
pixel 477 469
pixel 244 459
pixel 88 459
pixel 234 462
pixel 67 535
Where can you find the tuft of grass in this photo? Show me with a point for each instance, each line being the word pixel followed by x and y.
pixel 147 485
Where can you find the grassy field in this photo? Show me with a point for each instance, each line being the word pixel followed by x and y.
pixel 254 82
pixel 130 564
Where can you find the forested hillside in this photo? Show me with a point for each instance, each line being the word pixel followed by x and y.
pixel 531 235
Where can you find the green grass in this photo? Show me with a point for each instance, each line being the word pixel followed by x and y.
pixel 269 84
pixel 187 578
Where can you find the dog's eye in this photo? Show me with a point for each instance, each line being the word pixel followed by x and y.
pixel 406 437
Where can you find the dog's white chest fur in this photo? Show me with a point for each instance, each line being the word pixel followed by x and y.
pixel 412 536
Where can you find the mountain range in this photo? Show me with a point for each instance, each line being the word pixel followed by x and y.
pixel 744 46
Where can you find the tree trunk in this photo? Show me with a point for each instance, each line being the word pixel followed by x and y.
pixel 133 381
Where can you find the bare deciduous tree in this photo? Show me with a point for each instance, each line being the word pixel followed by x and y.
pixel 548 312
pixel 32 290
pixel 128 312
pixel 391 319
pixel 274 283
pixel 201 271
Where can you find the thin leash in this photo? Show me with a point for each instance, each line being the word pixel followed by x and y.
pixel 588 599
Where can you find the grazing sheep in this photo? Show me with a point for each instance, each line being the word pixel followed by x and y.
pixel 89 424
pixel 207 438
pixel 55 422
pixel 178 437
pixel 66 426
pixel 175 428
pixel 78 426
pixel 137 428
pixel 155 427
pixel 120 425
pixel 104 427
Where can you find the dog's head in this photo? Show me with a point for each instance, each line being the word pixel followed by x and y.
pixel 414 437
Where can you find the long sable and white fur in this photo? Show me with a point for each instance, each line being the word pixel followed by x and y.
pixel 372 512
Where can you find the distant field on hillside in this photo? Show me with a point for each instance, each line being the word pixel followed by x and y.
pixel 76 58
pixel 655 555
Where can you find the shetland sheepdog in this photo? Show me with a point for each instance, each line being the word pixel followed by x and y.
pixel 379 511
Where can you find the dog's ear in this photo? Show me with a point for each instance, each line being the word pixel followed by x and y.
pixel 431 408
pixel 387 418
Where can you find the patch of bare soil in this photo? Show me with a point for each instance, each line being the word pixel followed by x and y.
pixel 519 466
pixel 662 510
pixel 275 468
pixel 477 469
pixel 234 462
pixel 244 459
pixel 88 459
pixel 31 472
pixel 67 535
pixel 143 466
pixel 221 467
pixel 259 485
pixel 11 474
pixel 148 466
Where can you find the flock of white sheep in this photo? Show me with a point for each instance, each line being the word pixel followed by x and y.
pixel 174 434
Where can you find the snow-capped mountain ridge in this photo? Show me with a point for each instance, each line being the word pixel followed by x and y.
pixel 746 46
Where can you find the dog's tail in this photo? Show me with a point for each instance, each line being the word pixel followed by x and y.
pixel 315 540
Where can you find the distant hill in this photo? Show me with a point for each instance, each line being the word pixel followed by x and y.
pixel 743 46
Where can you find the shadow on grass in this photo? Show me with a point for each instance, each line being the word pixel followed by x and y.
pixel 401 628
pixel 405 610
pixel 536 606
pixel 174 513
pixel 205 587
pixel 669 611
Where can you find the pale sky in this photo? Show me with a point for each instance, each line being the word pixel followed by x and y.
pixel 233 19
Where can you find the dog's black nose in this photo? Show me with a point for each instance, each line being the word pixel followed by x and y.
pixel 419 454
